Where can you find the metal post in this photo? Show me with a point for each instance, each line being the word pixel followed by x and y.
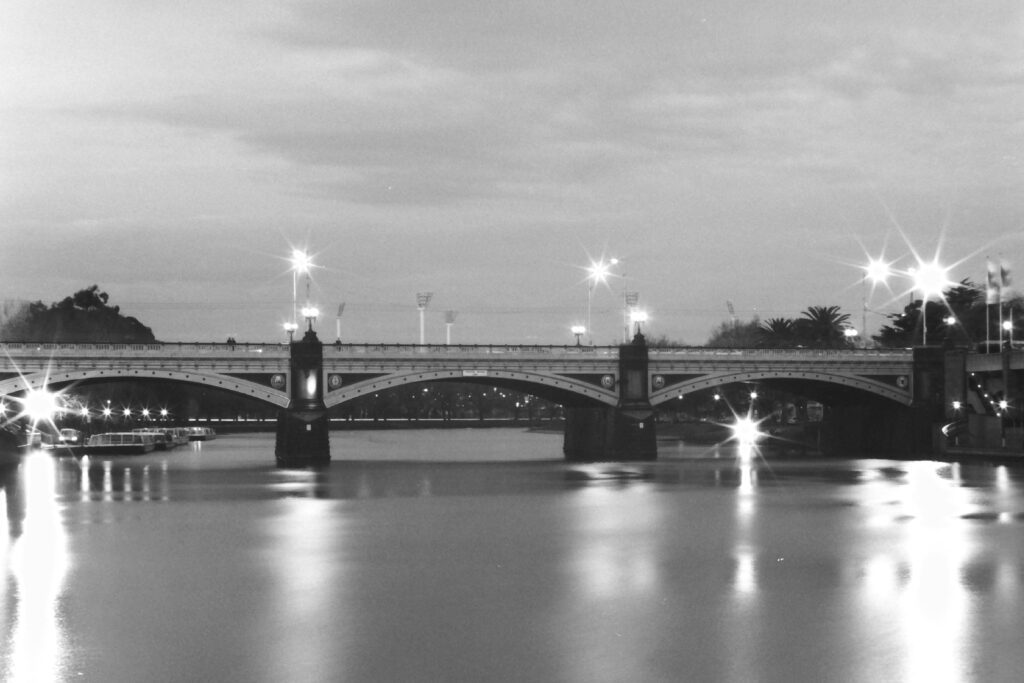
pixel 422 299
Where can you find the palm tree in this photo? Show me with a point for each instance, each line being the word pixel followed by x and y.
pixel 822 327
pixel 778 333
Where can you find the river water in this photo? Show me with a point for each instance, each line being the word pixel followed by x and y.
pixel 478 555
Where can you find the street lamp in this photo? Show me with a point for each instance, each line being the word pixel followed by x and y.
pixel 638 318
pixel 877 271
pixel 422 299
pixel 310 313
pixel 301 263
pixel 929 278
pixel 596 272
pixel 579 331
pixel 290 329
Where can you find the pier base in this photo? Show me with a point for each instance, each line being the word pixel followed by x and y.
pixel 302 438
pixel 607 434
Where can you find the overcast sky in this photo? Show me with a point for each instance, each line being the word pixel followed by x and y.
pixel 174 153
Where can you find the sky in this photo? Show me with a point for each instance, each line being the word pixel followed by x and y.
pixel 727 153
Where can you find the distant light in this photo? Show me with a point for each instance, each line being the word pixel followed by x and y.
pixel 957 405
pixel 145 412
pixel 578 329
pixel 930 278
pixel 745 430
pixel 301 261
pixel 127 412
pixel 850 332
pixel 877 270
pixel 1007 324
pixel 598 272
pixel 40 405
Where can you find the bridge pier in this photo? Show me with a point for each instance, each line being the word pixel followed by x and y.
pixel 625 432
pixel 302 427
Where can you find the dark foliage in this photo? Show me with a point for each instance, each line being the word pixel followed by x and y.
pixel 82 317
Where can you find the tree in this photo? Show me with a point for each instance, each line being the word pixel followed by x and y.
pixel 822 327
pixel 732 333
pixel 778 333
pixel 82 317
pixel 964 302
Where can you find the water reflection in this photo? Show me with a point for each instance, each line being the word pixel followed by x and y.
pixel 704 567
pixel 35 562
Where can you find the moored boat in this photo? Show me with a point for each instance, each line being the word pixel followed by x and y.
pixel 163 439
pixel 201 434
pixel 120 443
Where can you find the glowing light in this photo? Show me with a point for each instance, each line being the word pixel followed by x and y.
pixel 877 271
pixel 598 272
pixel 40 405
pixel 930 278
pixel 127 412
pixel 107 412
pixel 745 430
pixel 301 261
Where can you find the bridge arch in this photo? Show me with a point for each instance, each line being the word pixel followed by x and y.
pixel 38 380
pixel 559 388
pixel 900 394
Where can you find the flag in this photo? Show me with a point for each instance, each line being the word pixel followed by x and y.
pixel 992 284
pixel 1004 282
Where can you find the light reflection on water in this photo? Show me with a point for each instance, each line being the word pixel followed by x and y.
pixel 707 565
pixel 35 560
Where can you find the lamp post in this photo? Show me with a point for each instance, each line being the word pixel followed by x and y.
pixel 596 272
pixel 290 328
pixel 877 271
pixel 341 309
pixel 579 331
pixel 310 313
pixel 422 299
pixel 301 263
pixel 929 278
pixel 638 318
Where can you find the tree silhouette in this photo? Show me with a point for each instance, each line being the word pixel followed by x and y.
pixel 82 317
pixel 778 333
pixel 822 327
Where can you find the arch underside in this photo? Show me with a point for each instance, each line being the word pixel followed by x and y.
pixel 551 386
pixel 243 387
pixel 710 381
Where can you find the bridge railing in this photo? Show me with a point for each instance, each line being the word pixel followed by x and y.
pixel 779 354
pixel 346 350
pixel 171 349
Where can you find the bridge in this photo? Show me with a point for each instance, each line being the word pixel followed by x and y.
pixel 582 378
pixel 607 390
pixel 572 373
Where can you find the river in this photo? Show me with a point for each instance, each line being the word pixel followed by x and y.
pixel 478 555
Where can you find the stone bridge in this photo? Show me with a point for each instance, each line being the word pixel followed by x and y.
pixel 574 373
